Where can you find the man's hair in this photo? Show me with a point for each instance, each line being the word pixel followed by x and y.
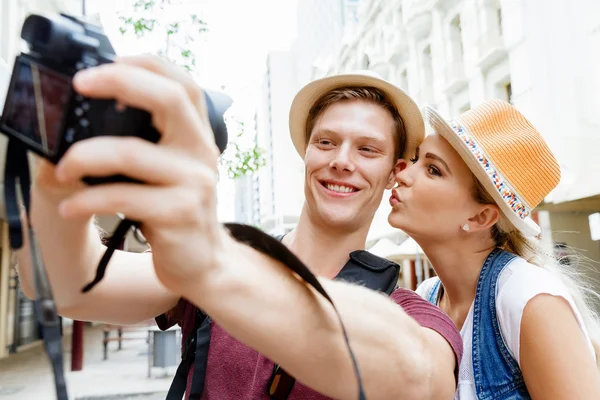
pixel 369 94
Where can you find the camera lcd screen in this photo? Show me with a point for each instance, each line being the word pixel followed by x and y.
pixel 35 104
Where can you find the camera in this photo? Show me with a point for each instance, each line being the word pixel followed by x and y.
pixel 44 113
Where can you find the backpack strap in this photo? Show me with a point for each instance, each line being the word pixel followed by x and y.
pixel 362 268
pixel 281 383
pixel 371 271
pixel 194 351
pixel 201 356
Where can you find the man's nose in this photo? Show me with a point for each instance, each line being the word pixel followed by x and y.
pixel 343 159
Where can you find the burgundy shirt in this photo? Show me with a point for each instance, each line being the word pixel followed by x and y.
pixel 235 371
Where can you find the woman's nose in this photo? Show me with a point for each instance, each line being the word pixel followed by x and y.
pixel 404 176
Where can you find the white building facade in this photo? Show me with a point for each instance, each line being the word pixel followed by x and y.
pixel 18 326
pixel 542 56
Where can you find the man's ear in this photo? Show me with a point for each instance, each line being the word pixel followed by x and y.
pixel 486 217
pixel 399 166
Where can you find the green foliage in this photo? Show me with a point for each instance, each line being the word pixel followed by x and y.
pixel 242 160
pixel 180 34
pixel 140 25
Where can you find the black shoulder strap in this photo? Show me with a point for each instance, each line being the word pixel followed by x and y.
pixel 363 268
pixel 194 351
pixel 275 249
pixel 371 271
pixel 17 182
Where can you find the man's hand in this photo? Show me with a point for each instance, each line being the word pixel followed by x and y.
pixel 177 205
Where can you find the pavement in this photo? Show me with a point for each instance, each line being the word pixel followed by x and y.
pixel 124 376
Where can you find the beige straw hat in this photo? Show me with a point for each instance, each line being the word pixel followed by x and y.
pixel 506 154
pixel 312 92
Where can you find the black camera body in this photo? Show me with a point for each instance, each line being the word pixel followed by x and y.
pixel 43 111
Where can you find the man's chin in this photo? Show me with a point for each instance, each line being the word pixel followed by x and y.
pixel 348 220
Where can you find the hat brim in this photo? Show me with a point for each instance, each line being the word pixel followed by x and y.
pixel 410 113
pixel 527 226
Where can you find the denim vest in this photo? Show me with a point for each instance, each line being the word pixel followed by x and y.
pixel 497 374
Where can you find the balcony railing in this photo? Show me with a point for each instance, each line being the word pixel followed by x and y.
pixel 425 95
pixel 455 77
pixel 490 49
pixel 417 16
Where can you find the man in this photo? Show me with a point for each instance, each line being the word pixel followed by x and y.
pixel 259 311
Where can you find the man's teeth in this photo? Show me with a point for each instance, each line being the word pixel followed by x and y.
pixel 340 189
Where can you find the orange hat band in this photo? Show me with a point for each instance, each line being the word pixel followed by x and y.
pixel 509 195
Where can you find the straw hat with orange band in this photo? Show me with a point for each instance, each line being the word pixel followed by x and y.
pixel 506 154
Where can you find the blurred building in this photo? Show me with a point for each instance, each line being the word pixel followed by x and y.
pixel 543 57
pixel 277 190
pixel 18 325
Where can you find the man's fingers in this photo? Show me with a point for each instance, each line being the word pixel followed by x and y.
pixel 167 100
pixel 165 206
pixel 167 69
pixel 130 156
pixel 133 87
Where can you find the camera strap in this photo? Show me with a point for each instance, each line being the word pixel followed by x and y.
pixel 260 241
pixel 17 182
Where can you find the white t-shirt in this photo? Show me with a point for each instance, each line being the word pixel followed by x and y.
pixel 518 283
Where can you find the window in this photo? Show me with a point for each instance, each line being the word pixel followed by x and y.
pixel 426 83
pixel 456 39
pixel 499 14
pixel 508 92
pixel 404 80
pixel 428 73
pixel 365 62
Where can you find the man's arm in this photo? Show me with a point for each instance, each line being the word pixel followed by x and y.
pixel 71 249
pixel 253 297
pixel 259 302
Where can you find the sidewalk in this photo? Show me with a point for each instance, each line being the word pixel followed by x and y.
pixel 27 375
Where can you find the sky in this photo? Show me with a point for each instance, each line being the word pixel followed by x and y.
pixel 241 32
pixel 231 56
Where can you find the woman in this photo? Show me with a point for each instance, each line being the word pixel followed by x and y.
pixel 467 199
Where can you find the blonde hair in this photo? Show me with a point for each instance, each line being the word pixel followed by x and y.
pixel 510 239
pixel 369 94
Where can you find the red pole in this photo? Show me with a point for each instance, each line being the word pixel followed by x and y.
pixel 77 346
pixel 413 275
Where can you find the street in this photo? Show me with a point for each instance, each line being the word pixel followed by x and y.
pixel 124 376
